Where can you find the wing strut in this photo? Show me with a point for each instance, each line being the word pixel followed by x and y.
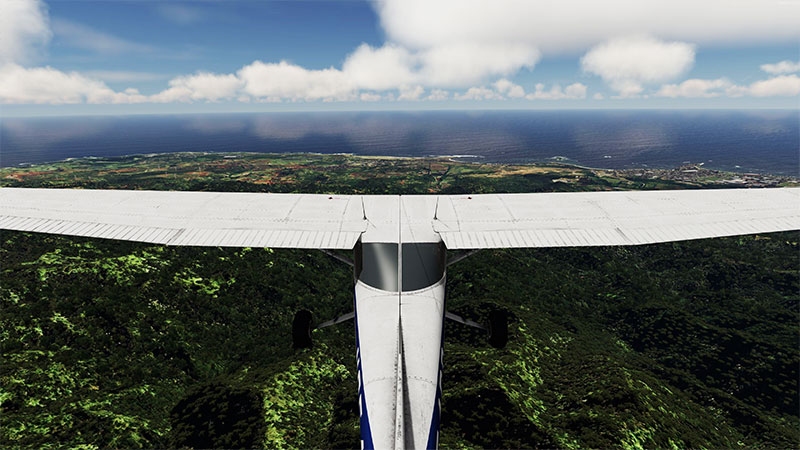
pixel 462 256
pixel 459 319
pixel 341 258
pixel 336 321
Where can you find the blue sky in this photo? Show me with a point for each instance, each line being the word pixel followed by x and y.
pixel 87 57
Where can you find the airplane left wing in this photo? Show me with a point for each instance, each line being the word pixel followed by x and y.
pixel 225 219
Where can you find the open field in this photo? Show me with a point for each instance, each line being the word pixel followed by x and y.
pixel 355 174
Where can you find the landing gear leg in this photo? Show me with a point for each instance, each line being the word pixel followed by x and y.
pixel 497 328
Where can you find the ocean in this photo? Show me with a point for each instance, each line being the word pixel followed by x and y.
pixel 738 140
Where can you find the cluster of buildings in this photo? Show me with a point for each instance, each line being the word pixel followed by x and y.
pixel 699 174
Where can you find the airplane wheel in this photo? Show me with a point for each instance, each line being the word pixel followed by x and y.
pixel 498 329
pixel 301 330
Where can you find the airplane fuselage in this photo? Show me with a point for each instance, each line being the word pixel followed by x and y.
pixel 399 306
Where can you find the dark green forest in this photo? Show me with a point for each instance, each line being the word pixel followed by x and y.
pixel 109 344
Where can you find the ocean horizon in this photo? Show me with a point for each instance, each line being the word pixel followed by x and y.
pixel 766 141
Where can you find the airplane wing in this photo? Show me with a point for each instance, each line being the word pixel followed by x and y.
pixel 226 219
pixel 612 218
pixel 462 221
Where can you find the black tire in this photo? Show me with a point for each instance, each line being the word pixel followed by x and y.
pixel 301 330
pixel 498 329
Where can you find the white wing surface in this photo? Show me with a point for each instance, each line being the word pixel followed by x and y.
pixel 461 221
pixel 188 218
pixel 612 218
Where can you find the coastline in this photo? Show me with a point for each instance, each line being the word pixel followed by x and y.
pixel 560 169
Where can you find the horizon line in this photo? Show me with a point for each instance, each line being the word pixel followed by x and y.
pixel 3 115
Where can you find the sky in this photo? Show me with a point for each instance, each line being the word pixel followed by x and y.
pixel 128 57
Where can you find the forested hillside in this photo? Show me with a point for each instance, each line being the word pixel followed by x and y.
pixel 110 344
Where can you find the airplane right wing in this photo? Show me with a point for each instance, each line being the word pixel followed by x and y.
pixel 572 219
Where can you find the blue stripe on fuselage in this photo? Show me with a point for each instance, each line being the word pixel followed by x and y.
pixel 433 433
pixel 366 432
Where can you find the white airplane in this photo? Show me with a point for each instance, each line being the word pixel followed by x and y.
pixel 399 245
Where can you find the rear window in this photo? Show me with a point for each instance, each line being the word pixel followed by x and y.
pixel 423 265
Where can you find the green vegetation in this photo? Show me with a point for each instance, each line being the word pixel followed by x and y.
pixel 339 174
pixel 119 344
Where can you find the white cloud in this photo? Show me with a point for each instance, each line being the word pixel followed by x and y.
pixel 696 88
pixel 627 89
pixel 572 92
pixel 479 93
pixel 438 95
pixel 87 38
pixel 781 67
pixel 575 90
pixel 737 91
pixel 200 86
pixel 369 97
pixel 47 85
pixel 289 81
pixel 574 25
pixel 785 85
pixel 23 28
pixel 380 68
pixel 508 88
pixel 266 99
pixel 460 64
pixel 412 93
pixel 629 62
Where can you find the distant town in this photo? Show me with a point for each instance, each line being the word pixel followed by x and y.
pixel 696 173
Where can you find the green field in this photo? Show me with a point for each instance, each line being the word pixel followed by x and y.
pixel 110 344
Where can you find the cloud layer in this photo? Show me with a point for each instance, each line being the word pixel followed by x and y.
pixel 24 27
pixel 781 67
pixel 574 25
pixel 435 51
pixel 784 85
pixel 628 63
pixel 47 85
